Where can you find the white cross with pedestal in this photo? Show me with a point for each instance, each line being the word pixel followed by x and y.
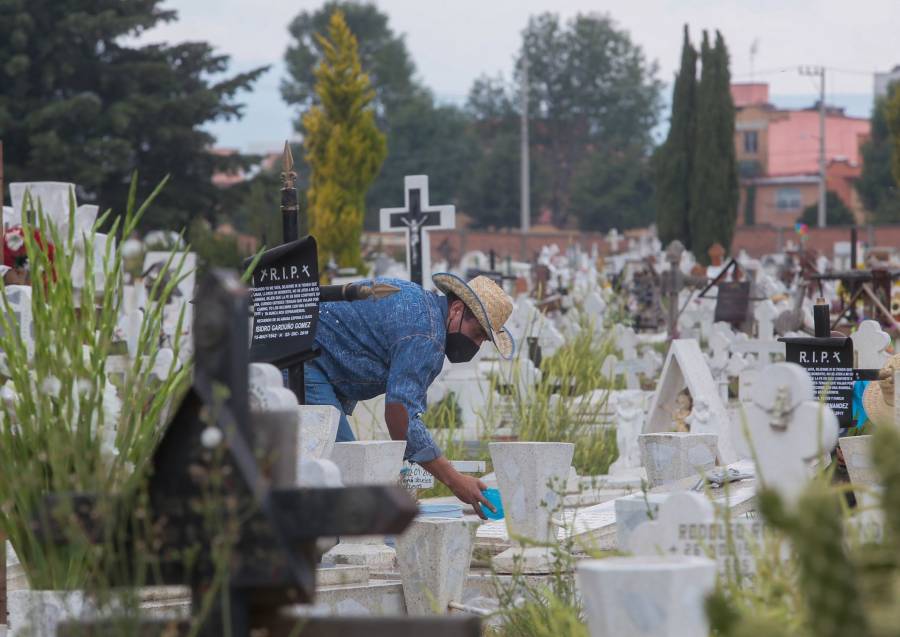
pixel 765 313
pixel 613 239
pixel 787 427
pixel 416 218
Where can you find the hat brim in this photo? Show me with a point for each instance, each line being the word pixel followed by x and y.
pixel 879 412
pixel 502 339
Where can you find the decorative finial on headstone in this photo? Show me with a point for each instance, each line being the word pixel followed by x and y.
pixel 287 167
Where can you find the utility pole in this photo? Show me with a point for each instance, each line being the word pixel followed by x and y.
pixel 820 71
pixel 525 202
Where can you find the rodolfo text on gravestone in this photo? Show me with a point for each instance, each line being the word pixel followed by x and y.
pixel 285 297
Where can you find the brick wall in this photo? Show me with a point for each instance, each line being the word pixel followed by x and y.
pixel 760 240
pixel 756 240
pixel 505 243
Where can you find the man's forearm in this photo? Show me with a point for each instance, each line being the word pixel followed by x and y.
pixel 397 420
pixel 441 469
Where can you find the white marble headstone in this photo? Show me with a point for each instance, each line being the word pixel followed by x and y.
pixel 787 427
pixel 869 343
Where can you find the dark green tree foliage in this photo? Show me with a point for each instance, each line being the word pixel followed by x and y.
pixel 422 136
pixel 613 191
pixel 836 212
pixel 80 104
pixel 714 181
pixel 675 157
pixel 876 186
pixel 491 193
pixel 255 205
pixel 591 91
pixel 382 53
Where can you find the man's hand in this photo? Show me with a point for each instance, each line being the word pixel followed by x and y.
pixel 466 488
pixel 469 490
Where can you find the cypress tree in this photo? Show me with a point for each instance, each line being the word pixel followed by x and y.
pixel 714 181
pixel 675 157
pixel 344 148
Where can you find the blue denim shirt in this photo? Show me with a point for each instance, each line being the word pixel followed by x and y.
pixel 392 346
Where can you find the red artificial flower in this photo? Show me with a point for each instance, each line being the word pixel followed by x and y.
pixel 15 252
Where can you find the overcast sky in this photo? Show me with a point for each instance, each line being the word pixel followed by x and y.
pixel 453 42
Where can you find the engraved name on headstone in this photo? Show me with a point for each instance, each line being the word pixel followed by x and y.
pixel 285 297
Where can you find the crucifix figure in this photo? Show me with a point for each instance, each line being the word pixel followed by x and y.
pixel 415 219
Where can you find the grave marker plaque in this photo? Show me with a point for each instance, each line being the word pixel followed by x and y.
pixel 285 297
pixel 732 302
pixel 829 362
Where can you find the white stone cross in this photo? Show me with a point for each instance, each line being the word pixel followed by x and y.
pixel 627 341
pixel 787 427
pixel 765 313
pixel 415 219
pixel 595 307
pixel 869 342
pixel 613 239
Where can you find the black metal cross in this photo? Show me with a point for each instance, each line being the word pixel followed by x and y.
pixel 414 219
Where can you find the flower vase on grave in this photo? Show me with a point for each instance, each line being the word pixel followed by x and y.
pixel 318 430
pixel 434 555
pixel 532 479
pixel 367 462
pixel 636 596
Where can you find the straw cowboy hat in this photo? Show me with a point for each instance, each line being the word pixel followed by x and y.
pixel 487 301
pixel 878 399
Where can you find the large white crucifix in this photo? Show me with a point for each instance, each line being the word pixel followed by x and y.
pixel 415 218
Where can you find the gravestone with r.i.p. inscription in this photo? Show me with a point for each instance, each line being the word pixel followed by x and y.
pixel 285 297
pixel 829 363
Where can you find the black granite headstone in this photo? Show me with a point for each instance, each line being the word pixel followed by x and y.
pixel 285 297
pixel 829 362
pixel 732 302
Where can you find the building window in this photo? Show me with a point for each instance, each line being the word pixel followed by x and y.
pixel 788 199
pixel 751 142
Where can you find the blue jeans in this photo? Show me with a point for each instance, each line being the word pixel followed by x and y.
pixel 320 392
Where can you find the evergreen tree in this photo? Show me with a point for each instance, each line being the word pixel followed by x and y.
pixel 613 191
pixel 80 103
pixel 424 138
pixel 876 185
pixel 674 159
pixel 836 212
pixel 714 181
pixel 591 90
pixel 344 148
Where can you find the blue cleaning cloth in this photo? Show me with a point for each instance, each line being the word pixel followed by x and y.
pixel 493 496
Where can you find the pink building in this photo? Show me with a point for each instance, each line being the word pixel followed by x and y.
pixel 778 157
